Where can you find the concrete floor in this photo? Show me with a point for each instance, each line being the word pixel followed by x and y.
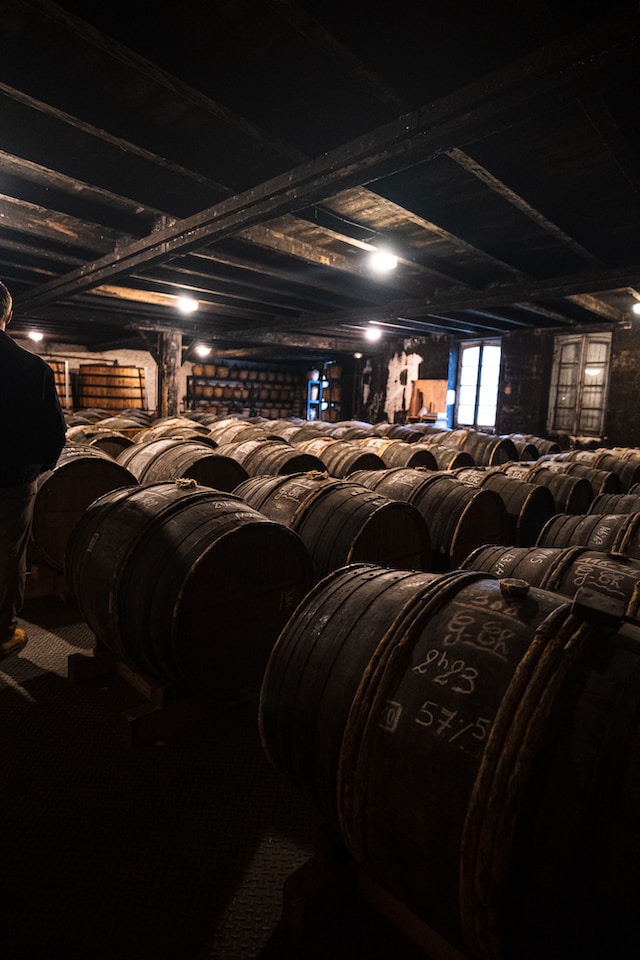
pixel 176 847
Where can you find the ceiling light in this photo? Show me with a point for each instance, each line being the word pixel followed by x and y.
pixel 186 304
pixel 373 333
pixel 636 307
pixel 383 260
pixel 202 350
pixel 357 356
pixel 35 335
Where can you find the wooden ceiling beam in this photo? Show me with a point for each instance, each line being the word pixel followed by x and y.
pixel 427 132
pixel 22 217
pixel 471 166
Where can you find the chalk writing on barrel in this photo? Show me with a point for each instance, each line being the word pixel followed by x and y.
pixel 455 674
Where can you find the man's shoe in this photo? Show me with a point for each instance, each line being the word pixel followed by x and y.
pixel 14 644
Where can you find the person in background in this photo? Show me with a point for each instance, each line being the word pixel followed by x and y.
pixel 32 434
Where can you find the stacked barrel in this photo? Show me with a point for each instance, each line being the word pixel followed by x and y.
pixel 444 659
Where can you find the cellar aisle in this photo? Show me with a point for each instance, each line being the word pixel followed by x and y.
pixel 176 849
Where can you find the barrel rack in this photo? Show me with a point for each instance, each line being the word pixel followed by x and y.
pixel 331 886
pixel 166 707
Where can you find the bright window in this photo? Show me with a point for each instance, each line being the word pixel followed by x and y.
pixel 478 379
pixel 579 381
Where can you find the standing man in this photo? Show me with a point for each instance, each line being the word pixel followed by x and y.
pixel 32 434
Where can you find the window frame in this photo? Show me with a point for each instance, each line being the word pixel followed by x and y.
pixel 556 424
pixel 462 347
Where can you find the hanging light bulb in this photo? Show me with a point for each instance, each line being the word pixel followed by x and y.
pixel 186 304
pixel 383 260
pixel 373 333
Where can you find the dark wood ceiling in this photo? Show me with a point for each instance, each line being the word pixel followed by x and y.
pixel 252 154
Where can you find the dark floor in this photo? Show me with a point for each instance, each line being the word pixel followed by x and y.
pixel 173 849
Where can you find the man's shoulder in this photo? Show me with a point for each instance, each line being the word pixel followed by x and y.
pixel 13 352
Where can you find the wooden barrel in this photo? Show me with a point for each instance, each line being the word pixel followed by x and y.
pixel 446 457
pixel 488 450
pixel 399 453
pixel 340 522
pixel 189 584
pixel 62 380
pixel 614 533
pixel 341 457
pixel 528 505
pixel 111 442
pixel 111 386
pixel 172 427
pixel 570 494
pixel 457 732
pixel 541 445
pixel 566 570
pixel 169 458
pixel 616 503
pixel 237 431
pixel 602 481
pixel 459 517
pixel 81 474
pixel 270 456
pixel 525 449
pixel 399 431
pixel 627 469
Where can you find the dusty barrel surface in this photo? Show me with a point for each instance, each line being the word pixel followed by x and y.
pixel 111 442
pixel 570 494
pixel 616 503
pixel 187 583
pixel 341 522
pixel 455 729
pixel 627 468
pixel 342 457
pixel 459 517
pixel 528 505
pixel 566 570
pixel 169 458
pixel 488 450
pixel 399 453
pixel 615 533
pixel 81 474
pixel 269 456
pixel 446 457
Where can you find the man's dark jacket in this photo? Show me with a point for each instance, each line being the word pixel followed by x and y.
pixel 32 425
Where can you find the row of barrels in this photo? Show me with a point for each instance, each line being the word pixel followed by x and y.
pixel 470 733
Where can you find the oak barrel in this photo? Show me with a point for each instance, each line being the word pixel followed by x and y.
pixel 616 503
pixel 168 458
pixel 528 505
pixel 340 522
pixel 81 474
pixel 189 584
pixel 270 456
pixel 399 453
pixel 474 743
pixel 615 533
pixel 565 570
pixel 111 386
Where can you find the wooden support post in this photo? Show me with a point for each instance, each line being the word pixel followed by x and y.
pixel 169 360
